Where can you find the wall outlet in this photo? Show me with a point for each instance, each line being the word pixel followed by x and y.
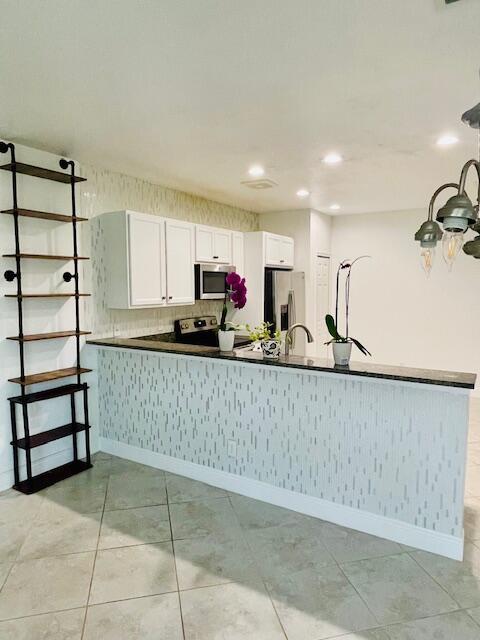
pixel 231 448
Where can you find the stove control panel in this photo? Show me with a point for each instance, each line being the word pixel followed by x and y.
pixel 192 325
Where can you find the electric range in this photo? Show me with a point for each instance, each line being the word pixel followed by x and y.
pixel 201 330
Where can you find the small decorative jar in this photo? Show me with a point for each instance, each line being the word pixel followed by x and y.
pixel 271 348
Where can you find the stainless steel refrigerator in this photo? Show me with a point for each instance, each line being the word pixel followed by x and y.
pixel 285 304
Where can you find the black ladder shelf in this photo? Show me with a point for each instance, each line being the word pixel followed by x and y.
pixel 28 441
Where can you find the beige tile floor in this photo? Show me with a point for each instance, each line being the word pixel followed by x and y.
pixel 126 552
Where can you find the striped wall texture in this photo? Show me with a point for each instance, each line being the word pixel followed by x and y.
pixel 392 449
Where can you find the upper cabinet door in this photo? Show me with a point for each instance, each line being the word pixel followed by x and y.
pixel 180 269
pixel 204 247
pixel 222 242
pixel 272 250
pixel 238 260
pixel 278 251
pixel 287 251
pixel 146 263
pixel 213 245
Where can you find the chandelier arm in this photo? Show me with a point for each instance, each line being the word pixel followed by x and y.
pixel 448 185
pixel 463 176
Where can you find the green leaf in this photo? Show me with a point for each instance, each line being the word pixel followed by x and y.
pixel 332 329
pixel 360 346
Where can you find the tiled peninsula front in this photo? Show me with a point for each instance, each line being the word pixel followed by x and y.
pixel 381 453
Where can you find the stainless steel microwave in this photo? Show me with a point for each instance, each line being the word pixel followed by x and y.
pixel 210 281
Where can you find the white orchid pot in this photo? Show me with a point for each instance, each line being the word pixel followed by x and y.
pixel 226 340
pixel 271 348
pixel 342 352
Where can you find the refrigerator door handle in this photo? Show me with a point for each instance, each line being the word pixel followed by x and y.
pixel 275 317
pixel 291 315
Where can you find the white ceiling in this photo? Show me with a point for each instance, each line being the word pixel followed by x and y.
pixel 190 93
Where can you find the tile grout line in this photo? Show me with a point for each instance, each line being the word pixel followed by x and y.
pixel 43 613
pixel 12 564
pixel 429 617
pixel 174 560
pixel 359 594
pixel 434 579
pixel 163 504
pixel 94 560
pixel 337 563
pixel 27 533
pixel 471 617
pixel 334 562
pixel 254 558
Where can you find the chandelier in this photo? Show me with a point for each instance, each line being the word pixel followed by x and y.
pixel 457 215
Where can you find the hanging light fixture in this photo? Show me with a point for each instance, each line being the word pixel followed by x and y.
pixel 472 118
pixel 472 247
pixel 430 233
pixel 456 216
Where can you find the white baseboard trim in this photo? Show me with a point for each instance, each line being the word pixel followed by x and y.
pixel 43 464
pixel 396 530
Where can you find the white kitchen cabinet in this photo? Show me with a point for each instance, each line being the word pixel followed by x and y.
pixel 238 259
pixel 149 260
pixel 213 245
pixel 256 246
pixel 146 239
pixel 279 251
pixel 179 262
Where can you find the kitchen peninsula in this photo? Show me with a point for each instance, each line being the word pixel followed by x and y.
pixel 376 448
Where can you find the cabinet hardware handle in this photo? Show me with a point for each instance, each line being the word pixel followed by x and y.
pixel 282 261
pixel 170 297
pixel 164 297
pixel 215 257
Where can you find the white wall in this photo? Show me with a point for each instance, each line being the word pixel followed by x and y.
pixel 103 191
pixel 400 315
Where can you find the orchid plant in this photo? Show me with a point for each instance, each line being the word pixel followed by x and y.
pixel 332 323
pixel 236 293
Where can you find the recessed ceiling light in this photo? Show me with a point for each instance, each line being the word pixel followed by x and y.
pixel 334 207
pixel 447 140
pixel 303 193
pixel 256 171
pixel 332 158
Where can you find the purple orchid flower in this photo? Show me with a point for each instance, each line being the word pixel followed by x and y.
pixel 236 293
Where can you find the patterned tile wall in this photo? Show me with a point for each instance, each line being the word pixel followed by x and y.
pixel 107 191
pixel 385 448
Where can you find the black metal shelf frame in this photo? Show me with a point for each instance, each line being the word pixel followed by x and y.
pixel 34 483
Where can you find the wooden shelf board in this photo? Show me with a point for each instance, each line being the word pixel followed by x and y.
pixel 42 256
pixel 33 337
pixel 39 439
pixel 48 295
pixel 48 394
pixel 43 215
pixel 52 476
pixel 41 172
pixel 46 376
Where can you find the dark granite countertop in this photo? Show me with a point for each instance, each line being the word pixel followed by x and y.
pixel 363 369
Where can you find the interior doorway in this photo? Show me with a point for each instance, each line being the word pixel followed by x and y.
pixel 322 302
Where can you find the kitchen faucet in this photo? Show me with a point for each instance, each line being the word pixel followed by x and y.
pixel 288 337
